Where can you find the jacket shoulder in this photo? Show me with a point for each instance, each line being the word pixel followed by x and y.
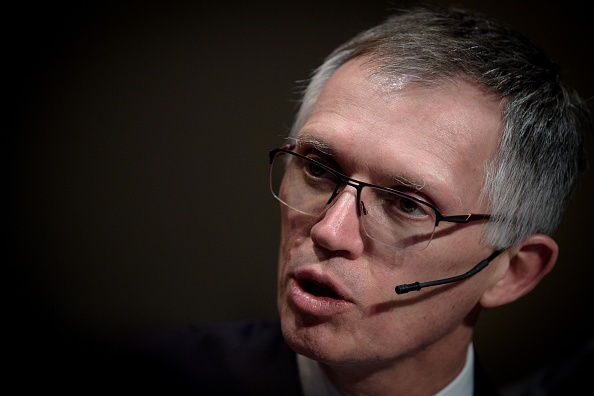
pixel 248 357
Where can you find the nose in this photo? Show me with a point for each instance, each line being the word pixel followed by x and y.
pixel 339 228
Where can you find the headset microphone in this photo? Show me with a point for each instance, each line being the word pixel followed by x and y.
pixel 475 270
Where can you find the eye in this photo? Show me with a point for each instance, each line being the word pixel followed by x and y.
pixel 411 207
pixel 397 206
pixel 315 170
pixel 316 177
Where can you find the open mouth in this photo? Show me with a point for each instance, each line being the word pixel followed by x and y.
pixel 316 294
pixel 317 289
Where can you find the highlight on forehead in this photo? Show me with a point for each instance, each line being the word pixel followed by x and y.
pixel 391 83
pixel 386 80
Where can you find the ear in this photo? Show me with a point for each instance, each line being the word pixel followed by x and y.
pixel 526 265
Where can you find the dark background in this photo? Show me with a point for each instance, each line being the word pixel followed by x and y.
pixel 138 134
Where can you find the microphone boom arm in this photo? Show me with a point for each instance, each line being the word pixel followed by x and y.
pixel 405 288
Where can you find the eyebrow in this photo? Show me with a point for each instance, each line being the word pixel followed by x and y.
pixel 407 182
pixel 323 147
pixel 309 140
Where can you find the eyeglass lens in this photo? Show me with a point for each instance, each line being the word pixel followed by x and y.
pixel 388 217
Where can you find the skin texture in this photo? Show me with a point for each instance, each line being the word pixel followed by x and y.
pixel 438 139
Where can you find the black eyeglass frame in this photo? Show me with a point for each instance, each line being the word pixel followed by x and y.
pixel 358 185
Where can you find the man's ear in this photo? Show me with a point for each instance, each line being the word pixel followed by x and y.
pixel 526 265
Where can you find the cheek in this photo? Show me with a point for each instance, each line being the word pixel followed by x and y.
pixel 403 268
pixel 293 234
pixel 454 255
pixel 390 267
pixel 295 227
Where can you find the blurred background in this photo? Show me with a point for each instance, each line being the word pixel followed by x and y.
pixel 138 134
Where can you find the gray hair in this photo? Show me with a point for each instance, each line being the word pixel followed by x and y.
pixel 541 153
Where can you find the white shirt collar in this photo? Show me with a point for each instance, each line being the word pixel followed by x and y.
pixel 315 383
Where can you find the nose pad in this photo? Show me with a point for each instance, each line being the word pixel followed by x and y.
pixel 337 191
pixel 362 208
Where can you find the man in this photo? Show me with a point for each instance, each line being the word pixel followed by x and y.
pixel 429 163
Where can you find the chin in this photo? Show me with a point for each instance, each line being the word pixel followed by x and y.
pixel 312 337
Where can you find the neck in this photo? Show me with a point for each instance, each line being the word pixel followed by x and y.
pixel 425 372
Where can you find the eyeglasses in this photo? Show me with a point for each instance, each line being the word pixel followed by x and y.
pixel 388 216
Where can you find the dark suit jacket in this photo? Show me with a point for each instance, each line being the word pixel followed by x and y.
pixel 245 358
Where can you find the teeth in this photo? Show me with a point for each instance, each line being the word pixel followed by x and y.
pixel 318 290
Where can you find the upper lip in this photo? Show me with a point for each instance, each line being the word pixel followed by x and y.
pixel 309 278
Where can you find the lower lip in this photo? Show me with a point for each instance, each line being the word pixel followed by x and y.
pixel 314 305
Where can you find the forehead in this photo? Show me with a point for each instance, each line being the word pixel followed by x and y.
pixel 440 136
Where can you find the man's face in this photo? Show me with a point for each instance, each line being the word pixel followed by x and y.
pixel 335 285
